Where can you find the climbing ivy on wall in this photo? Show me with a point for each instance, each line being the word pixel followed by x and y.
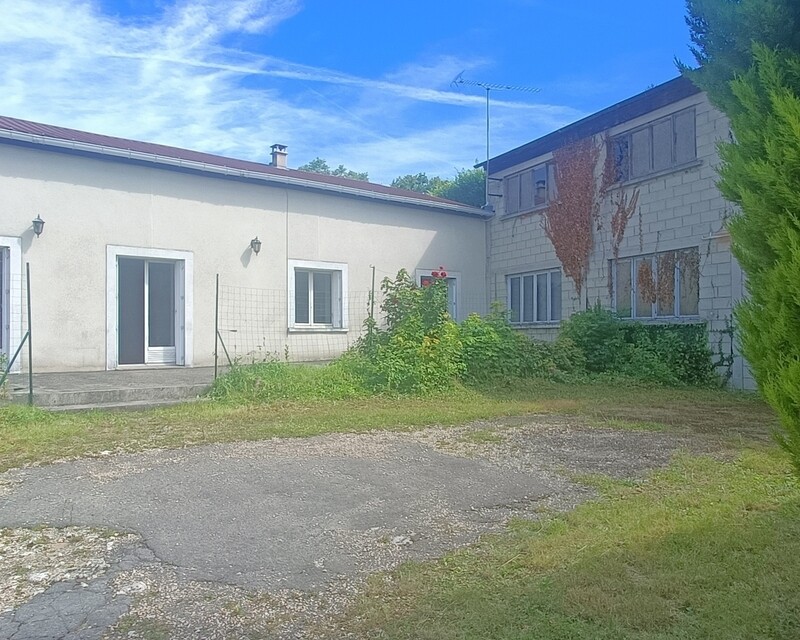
pixel 570 218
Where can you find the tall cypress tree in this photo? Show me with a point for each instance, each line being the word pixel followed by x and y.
pixel 748 53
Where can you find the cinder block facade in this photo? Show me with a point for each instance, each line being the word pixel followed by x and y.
pixel 663 147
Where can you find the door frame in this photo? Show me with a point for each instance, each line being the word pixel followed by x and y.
pixel 455 276
pixel 184 301
pixel 12 292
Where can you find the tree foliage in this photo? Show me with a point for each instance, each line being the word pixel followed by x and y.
pixel 318 165
pixel 749 56
pixel 467 187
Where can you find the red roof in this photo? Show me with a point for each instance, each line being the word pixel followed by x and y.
pixel 159 150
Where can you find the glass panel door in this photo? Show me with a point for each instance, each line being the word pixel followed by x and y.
pixel 160 312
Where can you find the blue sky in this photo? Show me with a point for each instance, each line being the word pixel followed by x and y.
pixel 358 82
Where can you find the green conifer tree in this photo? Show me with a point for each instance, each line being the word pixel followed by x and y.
pixel 749 57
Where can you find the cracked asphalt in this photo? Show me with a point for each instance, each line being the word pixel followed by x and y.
pixel 270 539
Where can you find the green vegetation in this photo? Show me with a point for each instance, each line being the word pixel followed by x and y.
pixel 662 354
pixel 749 57
pixel 33 435
pixel 703 549
pixel 468 186
pixel 319 165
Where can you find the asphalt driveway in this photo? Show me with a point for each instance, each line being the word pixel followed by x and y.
pixel 247 539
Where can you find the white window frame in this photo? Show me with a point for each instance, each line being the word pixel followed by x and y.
pixel 12 292
pixel 674 164
pixel 676 304
pixel 339 295
pixel 535 275
pixel 454 306
pixel 184 291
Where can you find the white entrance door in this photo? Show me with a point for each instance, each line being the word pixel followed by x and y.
pixel 148 320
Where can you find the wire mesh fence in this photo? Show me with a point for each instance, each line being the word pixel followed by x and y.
pixel 254 325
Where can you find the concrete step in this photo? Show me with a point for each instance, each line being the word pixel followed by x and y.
pixel 138 405
pixel 49 398
pixel 137 388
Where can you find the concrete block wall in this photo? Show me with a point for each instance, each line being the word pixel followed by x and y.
pixel 677 209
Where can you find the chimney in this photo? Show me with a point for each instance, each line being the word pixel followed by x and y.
pixel 279 154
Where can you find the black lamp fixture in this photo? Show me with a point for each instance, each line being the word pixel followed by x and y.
pixel 38 225
pixel 255 245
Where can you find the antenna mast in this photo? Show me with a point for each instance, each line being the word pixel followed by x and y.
pixel 488 86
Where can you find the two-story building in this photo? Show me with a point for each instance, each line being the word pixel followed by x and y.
pixel 660 251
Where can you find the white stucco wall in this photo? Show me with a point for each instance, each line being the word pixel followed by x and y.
pixel 677 209
pixel 89 204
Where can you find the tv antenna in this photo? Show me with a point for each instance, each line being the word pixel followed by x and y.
pixel 460 80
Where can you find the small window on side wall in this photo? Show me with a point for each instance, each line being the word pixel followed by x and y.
pixel 317 295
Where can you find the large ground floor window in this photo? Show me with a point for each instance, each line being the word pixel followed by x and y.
pixel 535 296
pixel 658 285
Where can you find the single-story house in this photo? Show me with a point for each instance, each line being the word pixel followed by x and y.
pixel 124 270
pixel 660 252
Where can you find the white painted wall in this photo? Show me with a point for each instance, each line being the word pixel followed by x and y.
pixel 89 204
pixel 679 209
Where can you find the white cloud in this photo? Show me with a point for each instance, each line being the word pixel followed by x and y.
pixel 170 79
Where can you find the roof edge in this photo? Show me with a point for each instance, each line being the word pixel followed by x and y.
pixel 666 93
pixel 63 145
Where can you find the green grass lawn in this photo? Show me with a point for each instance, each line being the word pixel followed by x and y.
pixel 704 549
pixel 34 435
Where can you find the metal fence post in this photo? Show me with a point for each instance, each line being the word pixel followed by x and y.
pixel 30 332
pixel 216 326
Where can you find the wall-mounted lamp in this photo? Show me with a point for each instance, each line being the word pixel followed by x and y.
pixel 255 245
pixel 38 226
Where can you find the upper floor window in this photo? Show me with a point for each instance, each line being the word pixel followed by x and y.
pixel 535 297
pixel 658 146
pixel 530 189
pixel 660 285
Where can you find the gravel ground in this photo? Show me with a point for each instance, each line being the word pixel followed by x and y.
pixel 270 539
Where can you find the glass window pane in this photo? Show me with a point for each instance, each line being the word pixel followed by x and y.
pixel 640 153
pixel 662 145
pixel 645 288
pixel 620 149
pixel 685 147
pixel 541 297
pixel 323 298
pixel 689 281
pixel 623 286
pixel 555 295
pixel 540 185
pixel 665 284
pixel 161 304
pixel 512 194
pixel 301 297
pixel 526 191
pixel 513 303
pixel 528 299
pixel 552 187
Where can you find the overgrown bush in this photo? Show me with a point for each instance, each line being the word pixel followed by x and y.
pixel 276 381
pixel 420 350
pixel 663 354
pixel 493 349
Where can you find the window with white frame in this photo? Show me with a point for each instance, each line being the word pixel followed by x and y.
pixel 317 295
pixel 530 189
pixel 658 146
pixel 534 297
pixel 659 285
